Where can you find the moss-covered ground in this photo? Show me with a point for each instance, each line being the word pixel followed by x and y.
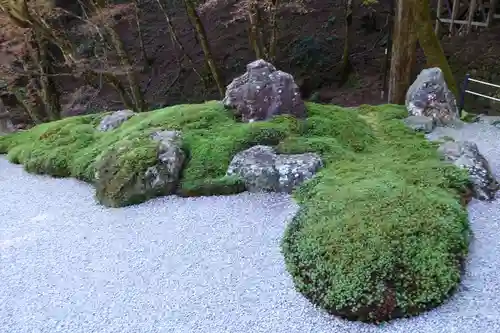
pixel 381 232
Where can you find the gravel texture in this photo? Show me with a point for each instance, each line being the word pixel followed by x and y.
pixel 210 265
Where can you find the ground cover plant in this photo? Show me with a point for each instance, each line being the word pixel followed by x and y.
pixel 381 232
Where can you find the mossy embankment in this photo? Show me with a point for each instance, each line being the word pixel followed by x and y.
pixel 380 233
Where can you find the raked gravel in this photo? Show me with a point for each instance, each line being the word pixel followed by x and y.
pixel 210 265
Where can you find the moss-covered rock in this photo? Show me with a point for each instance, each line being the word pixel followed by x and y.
pixel 133 171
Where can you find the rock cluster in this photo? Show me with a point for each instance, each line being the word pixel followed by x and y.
pixel 430 104
pixel 259 94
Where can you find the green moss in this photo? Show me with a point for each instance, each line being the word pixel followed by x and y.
pixel 221 186
pixel 380 233
pixel 120 168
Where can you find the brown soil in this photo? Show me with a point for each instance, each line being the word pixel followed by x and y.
pixel 310 47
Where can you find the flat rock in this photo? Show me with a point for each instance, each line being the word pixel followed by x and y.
pixel 263 170
pixel 114 120
pixel 420 123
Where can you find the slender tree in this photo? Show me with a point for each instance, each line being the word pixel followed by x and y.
pixel 346 62
pixel 430 43
pixel 205 45
pixel 403 54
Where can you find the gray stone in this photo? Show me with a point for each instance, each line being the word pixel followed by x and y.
pixel 263 92
pixel 429 96
pixel 466 155
pixel 114 120
pixel 294 169
pixel 117 186
pixel 164 176
pixel 263 170
pixel 420 123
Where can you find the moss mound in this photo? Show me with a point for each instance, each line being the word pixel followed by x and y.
pixel 380 234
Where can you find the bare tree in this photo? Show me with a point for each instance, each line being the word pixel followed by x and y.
pixel 110 62
pixel 263 22
pixel 205 45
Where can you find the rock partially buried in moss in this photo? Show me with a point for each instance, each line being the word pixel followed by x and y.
pixel 263 170
pixel 466 155
pixel 114 120
pixel 420 123
pixel 136 170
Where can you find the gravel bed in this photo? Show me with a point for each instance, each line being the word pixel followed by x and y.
pixel 210 265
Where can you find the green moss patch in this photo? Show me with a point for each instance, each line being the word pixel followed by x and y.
pixel 380 234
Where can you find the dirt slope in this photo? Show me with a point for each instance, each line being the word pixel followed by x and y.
pixel 310 46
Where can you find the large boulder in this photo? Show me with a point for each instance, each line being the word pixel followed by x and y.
pixel 114 120
pixel 429 96
pixel 465 154
pixel 129 173
pixel 263 170
pixel 263 92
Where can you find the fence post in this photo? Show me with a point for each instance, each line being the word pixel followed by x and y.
pixel 462 94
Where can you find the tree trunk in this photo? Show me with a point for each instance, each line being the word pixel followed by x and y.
pixel 346 63
pixel 140 36
pixel 430 43
pixel 49 92
pixel 254 33
pixel 273 39
pixel 21 101
pixel 176 41
pixel 205 45
pixel 403 53
pixel 137 96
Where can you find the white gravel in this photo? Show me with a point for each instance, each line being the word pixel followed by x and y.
pixel 208 265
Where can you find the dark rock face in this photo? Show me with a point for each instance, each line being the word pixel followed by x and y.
pixel 263 92
pixel 71 6
pixel 466 155
pixel 263 170
pixel 429 96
